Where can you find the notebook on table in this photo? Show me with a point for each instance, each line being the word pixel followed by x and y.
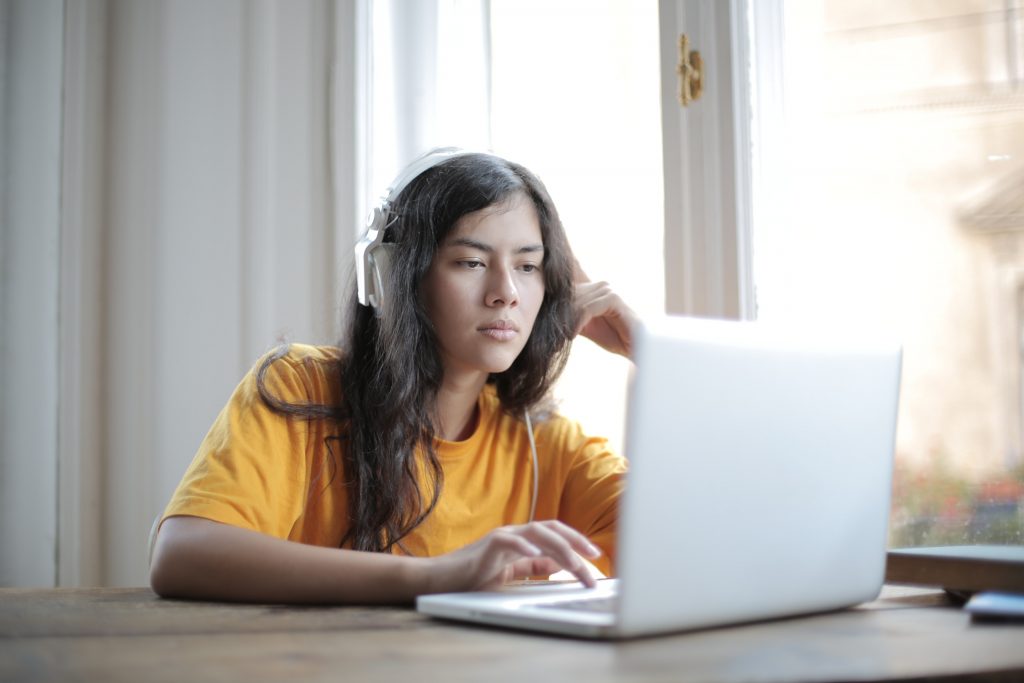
pixel 961 570
pixel 759 486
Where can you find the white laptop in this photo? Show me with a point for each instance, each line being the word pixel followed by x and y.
pixel 759 486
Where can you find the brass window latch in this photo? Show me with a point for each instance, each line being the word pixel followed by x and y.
pixel 690 71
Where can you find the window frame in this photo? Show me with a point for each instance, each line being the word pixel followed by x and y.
pixel 711 177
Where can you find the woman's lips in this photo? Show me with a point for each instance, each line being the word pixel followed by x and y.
pixel 502 330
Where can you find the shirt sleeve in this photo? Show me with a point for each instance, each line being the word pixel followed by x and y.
pixel 590 497
pixel 252 467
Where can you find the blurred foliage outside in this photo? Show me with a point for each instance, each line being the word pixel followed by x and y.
pixel 938 506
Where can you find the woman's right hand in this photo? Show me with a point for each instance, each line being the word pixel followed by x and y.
pixel 513 552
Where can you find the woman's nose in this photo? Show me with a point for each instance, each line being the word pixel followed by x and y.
pixel 501 290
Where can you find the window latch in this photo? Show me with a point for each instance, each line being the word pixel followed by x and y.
pixel 690 71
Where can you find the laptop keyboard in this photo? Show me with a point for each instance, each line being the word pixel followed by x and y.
pixel 599 605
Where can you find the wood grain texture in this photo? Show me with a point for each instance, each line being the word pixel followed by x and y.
pixel 131 635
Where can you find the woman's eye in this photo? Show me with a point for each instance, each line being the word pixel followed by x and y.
pixel 529 267
pixel 471 265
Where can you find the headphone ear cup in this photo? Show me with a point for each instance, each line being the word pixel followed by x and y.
pixel 364 248
pixel 372 255
pixel 380 271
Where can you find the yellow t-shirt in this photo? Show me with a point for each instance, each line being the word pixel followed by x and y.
pixel 279 475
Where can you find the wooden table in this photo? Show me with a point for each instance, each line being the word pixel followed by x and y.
pixel 131 635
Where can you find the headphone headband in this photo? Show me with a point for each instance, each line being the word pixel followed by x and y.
pixel 418 166
pixel 372 253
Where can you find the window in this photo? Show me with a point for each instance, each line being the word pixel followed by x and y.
pixel 569 88
pixel 904 167
pixel 575 97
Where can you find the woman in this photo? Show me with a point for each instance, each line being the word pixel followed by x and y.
pixel 401 464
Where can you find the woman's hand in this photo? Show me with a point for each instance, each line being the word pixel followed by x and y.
pixel 513 552
pixel 602 316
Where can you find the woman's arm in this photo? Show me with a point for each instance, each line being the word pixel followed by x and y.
pixel 201 559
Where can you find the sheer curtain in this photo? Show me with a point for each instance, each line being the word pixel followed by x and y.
pixel 429 82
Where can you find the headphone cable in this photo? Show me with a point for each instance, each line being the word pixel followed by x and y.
pixel 533 453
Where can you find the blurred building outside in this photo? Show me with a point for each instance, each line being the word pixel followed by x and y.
pixel 907 214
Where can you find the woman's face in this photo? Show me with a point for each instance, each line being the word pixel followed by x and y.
pixel 485 287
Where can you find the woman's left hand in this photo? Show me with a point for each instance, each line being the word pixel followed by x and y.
pixel 602 316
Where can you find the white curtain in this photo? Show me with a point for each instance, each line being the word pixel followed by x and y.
pixel 430 82
pixel 190 201
pixel 30 134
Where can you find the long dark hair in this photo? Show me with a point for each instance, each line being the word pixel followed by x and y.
pixel 391 371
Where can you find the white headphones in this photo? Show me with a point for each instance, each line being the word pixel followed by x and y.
pixel 373 255
pixel 373 258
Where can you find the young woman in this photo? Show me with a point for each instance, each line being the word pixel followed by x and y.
pixel 420 457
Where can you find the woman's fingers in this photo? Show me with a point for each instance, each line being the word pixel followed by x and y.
pixel 592 300
pixel 561 543
pixel 603 317
pixel 561 537
pixel 516 544
pixel 534 566
pixel 537 548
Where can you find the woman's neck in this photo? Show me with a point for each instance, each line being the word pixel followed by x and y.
pixel 457 407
